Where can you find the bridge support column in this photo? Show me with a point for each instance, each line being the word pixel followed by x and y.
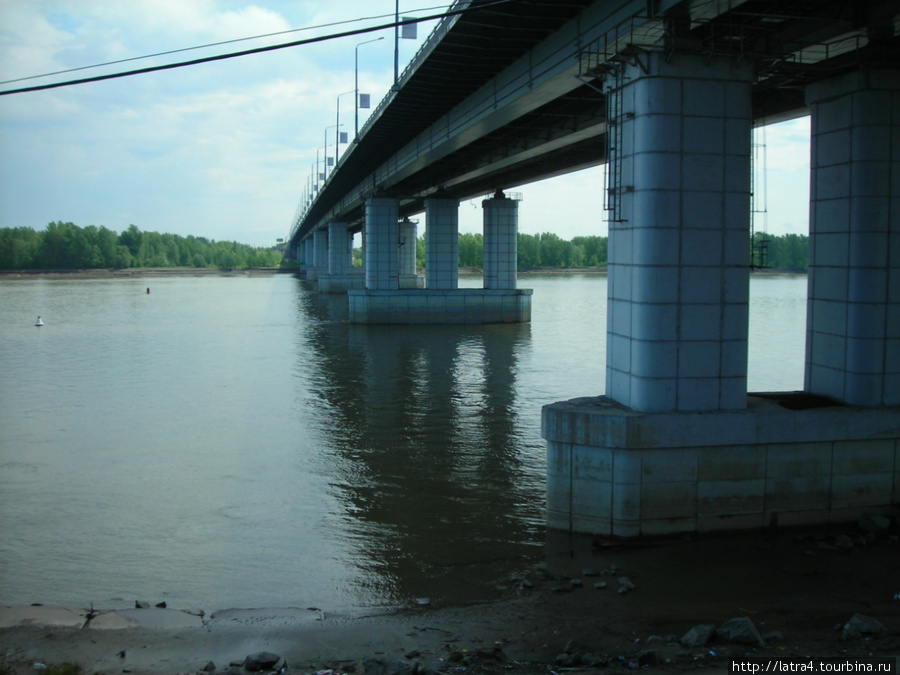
pixel 383 302
pixel 341 276
pixel 441 244
pixel 382 241
pixel 853 314
pixel 407 256
pixel 501 227
pixel 678 445
pixel 307 248
pixel 319 256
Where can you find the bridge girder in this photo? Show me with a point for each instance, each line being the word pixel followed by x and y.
pixel 792 43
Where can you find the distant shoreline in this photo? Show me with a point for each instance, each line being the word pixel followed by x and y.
pixel 141 272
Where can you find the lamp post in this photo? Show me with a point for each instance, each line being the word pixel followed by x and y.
pixel 325 149
pixel 356 83
pixel 337 140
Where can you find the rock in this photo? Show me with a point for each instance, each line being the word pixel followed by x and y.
pixel 773 636
pixel 574 647
pixel 209 667
pixel 625 585
pixel 382 667
pixel 422 602
pixel 527 584
pixel 740 630
pixel 590 573
pixel 261 661
pixel 600 584
pixel 161 605
pixel 577 583
pixel 565 660
pixel 860 625
pixel 648 658
pixel 871 522
pixel 140 604
pixel 698 635
pixel 844 543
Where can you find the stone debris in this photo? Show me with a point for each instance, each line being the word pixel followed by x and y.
pixel 625 585
pixel 860 625
pixel 698 636
pixel 740 630
pixel 267 661
pixel 140 604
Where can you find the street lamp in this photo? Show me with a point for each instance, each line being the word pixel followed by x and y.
pixel 337 144
pixel 356 105
pixel 325 150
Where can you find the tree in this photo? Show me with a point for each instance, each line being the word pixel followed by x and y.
pixel 529 246
pixel 131 239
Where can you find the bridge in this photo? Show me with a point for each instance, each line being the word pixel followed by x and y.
pixel 666 93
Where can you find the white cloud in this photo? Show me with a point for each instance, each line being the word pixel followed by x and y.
pixel 221 150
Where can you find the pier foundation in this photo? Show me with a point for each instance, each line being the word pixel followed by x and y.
pixel 677 445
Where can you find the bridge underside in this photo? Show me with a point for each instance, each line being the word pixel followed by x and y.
pixel 666 93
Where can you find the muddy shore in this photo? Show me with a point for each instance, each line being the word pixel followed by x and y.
pixel 798 588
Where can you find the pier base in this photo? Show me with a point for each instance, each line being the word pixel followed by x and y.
pixel 787 459
pixel 341 283
pixel 470 305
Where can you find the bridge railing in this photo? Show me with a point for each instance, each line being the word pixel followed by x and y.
pixel 436 35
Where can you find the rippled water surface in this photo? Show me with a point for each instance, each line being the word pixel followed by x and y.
pixel 232 441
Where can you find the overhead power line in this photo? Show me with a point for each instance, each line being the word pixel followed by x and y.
pixel 207 46
pixel 248 52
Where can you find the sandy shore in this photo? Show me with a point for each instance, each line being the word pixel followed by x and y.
pixel 798 588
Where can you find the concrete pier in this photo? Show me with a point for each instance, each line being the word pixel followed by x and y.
pixel 382 241
pixel 341 275
pixel 407 254
pixel 677 445
pixel 853 314
pixel 319 258
pixel 394 296
pixel 501 228
pixel 442 244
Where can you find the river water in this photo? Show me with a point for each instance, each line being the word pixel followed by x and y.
pixel 230 441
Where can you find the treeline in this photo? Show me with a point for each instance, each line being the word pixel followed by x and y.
pixel 548 250
pixel 68 246
pixel 788 252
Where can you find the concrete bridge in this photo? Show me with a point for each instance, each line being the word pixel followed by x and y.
pixel 666 92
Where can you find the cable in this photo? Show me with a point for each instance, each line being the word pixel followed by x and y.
pixel 211 44
pixel 247 52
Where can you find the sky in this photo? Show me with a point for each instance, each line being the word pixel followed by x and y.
pixel 223 150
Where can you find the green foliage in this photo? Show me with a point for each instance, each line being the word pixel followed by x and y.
pixel 67 246
pixel 548 250
pixel 788 252
pixel 420 252
pixel 471 250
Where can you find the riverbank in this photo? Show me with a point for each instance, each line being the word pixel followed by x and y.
pixel 138 272
pixel 798 589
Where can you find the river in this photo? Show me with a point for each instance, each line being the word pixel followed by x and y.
pixel 230 441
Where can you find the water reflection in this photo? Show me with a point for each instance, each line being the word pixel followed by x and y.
pixel 425 450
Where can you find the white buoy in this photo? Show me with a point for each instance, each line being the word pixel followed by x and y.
pixel 39 322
